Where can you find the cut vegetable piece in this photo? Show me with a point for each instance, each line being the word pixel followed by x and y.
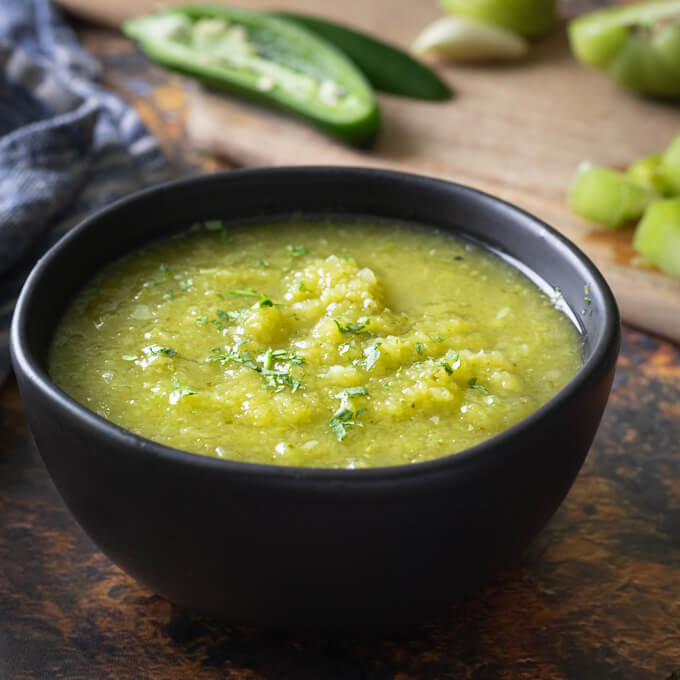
pixel 387 68
pixel 648 171
pixel 657 236
pixel 461 39
pixel 264 58
pixel 530 18
pixel 606 197
pixel 638 45
pixel 670 167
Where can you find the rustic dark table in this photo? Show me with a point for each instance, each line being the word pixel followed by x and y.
pixel 596 596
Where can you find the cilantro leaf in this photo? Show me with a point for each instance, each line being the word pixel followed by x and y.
pixel 355 328
pixel 473 384
pixel 297 250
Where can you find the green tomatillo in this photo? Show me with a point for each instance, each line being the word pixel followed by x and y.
pixel 530 18
pixel 637 45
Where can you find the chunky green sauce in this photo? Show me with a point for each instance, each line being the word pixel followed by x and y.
pixel 327 343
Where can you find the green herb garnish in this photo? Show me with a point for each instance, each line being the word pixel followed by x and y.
pixel 274 379
pixel 261 263
pixel 297 250
pixel 372 355
pixel 355 328
pixel 437 338
pixel 350 392
pixel 157 349
pixel 179 390
pixel 248 292
pixel 213 225
pixel 473 384
pixel 169 293
pixel 185 284
pixel 420 348
pixel 450 362
pixel 201 319
pixel 165 269
pixel 128 357
pixel 265 301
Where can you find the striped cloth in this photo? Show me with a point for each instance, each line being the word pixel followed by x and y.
pixel 67 146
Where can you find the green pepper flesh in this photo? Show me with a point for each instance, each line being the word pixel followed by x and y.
pixel 263 58
pixel 387 68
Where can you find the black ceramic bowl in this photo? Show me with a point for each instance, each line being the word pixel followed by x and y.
pixel 260 544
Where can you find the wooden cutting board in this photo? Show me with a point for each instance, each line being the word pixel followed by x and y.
pixel 518 131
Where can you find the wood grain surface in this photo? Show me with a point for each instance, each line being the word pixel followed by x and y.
pixel 596 596
pixel 518 131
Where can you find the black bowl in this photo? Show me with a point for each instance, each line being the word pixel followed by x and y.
pixel 259 544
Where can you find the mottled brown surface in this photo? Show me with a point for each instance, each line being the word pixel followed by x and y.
pixel 596 596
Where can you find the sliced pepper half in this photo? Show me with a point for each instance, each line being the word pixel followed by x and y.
pixel 263 58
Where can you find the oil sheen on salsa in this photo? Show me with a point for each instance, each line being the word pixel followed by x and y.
pixel 328 343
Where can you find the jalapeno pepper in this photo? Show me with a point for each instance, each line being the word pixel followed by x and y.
pixel 387 68
pixel 264 58
pixel 638 45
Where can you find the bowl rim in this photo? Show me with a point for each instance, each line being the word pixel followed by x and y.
pixel 25 363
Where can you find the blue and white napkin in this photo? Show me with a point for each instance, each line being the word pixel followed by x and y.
pixel 67 146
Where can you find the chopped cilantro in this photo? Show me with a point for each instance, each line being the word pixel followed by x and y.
pixel 201 319
pixel 360 412
pixel 372 355
pixel 283 355
pixel 587 300
pixel 261 263
pixel 420 348
pixel 388 385
pixel 473 384
pixel 301 287
pixel 248 292
pixel 355 328
pixel 350 392
pixel 157 349
pixel 437 338
pixel 169 293
pixel 165 269
pixel 450 362
pixel 265 301
pixel 297 250
pixel 274 379
pixel 185 284
pixel 341 421
pixel 179 390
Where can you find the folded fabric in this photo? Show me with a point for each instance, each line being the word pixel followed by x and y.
pixel 67 146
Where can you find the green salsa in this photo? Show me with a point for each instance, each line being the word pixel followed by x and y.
pixel 316 342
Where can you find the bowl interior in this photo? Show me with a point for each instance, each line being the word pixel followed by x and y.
pixel 538 250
